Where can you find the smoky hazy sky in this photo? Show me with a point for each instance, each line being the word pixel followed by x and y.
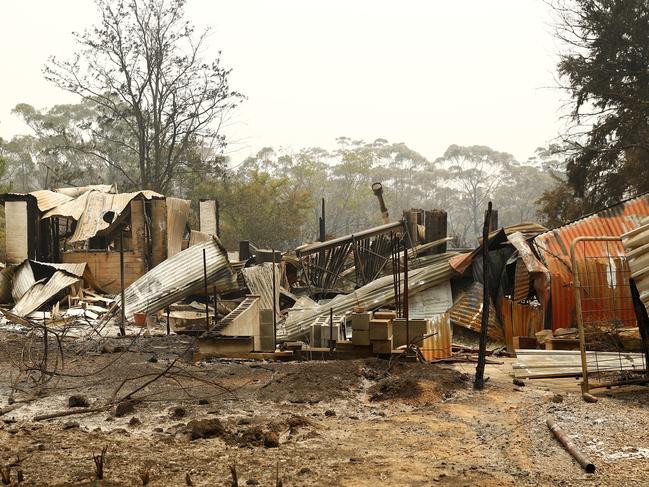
pixel 427 73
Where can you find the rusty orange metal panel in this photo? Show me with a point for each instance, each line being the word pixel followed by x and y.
pixel 554 249
pixel 521 281
pixel 467 312
pixel 520 319
pixel 440 345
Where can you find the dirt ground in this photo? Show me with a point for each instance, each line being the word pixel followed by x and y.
pixel 362 422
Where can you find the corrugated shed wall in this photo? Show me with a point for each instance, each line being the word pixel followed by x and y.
pixel 554 249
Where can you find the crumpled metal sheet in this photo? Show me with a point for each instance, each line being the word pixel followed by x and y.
pixel 77 191
pixel 467 312
pixel 42 291
pixel 259 280
pixel 371 296
pixel 35 283
pixel 95 211
pixel 178 277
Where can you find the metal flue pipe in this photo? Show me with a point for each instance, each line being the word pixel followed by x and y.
pixel 377 188
pixel 570 446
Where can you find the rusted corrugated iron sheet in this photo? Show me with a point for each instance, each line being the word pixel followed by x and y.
pixel 371 296
pixel 520 320
pixel 467 312
pixel 177 278
pixel 554 249
pixel 439 345
pixel 521 281
pixel 636 244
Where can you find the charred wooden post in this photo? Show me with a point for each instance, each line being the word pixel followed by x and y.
pixel 436 223
pixel 643 322
pixel 493 220
pixel 479 371
pixel 122 329
pixel 322 223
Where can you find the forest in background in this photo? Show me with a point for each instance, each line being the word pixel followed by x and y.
pixel 151 110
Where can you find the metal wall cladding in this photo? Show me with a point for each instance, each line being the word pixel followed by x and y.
pixel 520 319
pixel 554 249
pixel 636 244
pixel 467 312
pixel 439 345
pixel 521 281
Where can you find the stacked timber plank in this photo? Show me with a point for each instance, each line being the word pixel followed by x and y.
pixel 381 331
pixel 361 328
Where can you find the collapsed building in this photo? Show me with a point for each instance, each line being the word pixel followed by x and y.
pixel 134 258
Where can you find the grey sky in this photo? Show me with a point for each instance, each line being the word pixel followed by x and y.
pixel 427 73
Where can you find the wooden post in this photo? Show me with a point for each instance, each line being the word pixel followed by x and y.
pixel 479 371
pixel 436 223
pixel 322 223
pixel 122 328
pixel 168 324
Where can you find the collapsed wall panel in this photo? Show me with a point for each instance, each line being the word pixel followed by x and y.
pixel 207 215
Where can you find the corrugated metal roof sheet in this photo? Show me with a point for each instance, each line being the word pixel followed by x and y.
pixel 554 249
pixel 95 211
pixel 259 280
pixel 77 191
pixel 636 244
pixel 371 296
pixel 46 199
pixel 467 312
pixel 178 277
pixel 42 291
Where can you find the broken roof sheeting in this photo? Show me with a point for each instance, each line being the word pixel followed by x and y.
pixel 467 313
pixel 554 249
pixel 259 280
pixel 178 277
pixel 96 211
pixel 371 296
pixel 46 199
pixel 75 192
pixel 42 291
pixel 30 293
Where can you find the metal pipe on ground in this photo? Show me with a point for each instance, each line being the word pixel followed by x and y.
pixel 570 446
